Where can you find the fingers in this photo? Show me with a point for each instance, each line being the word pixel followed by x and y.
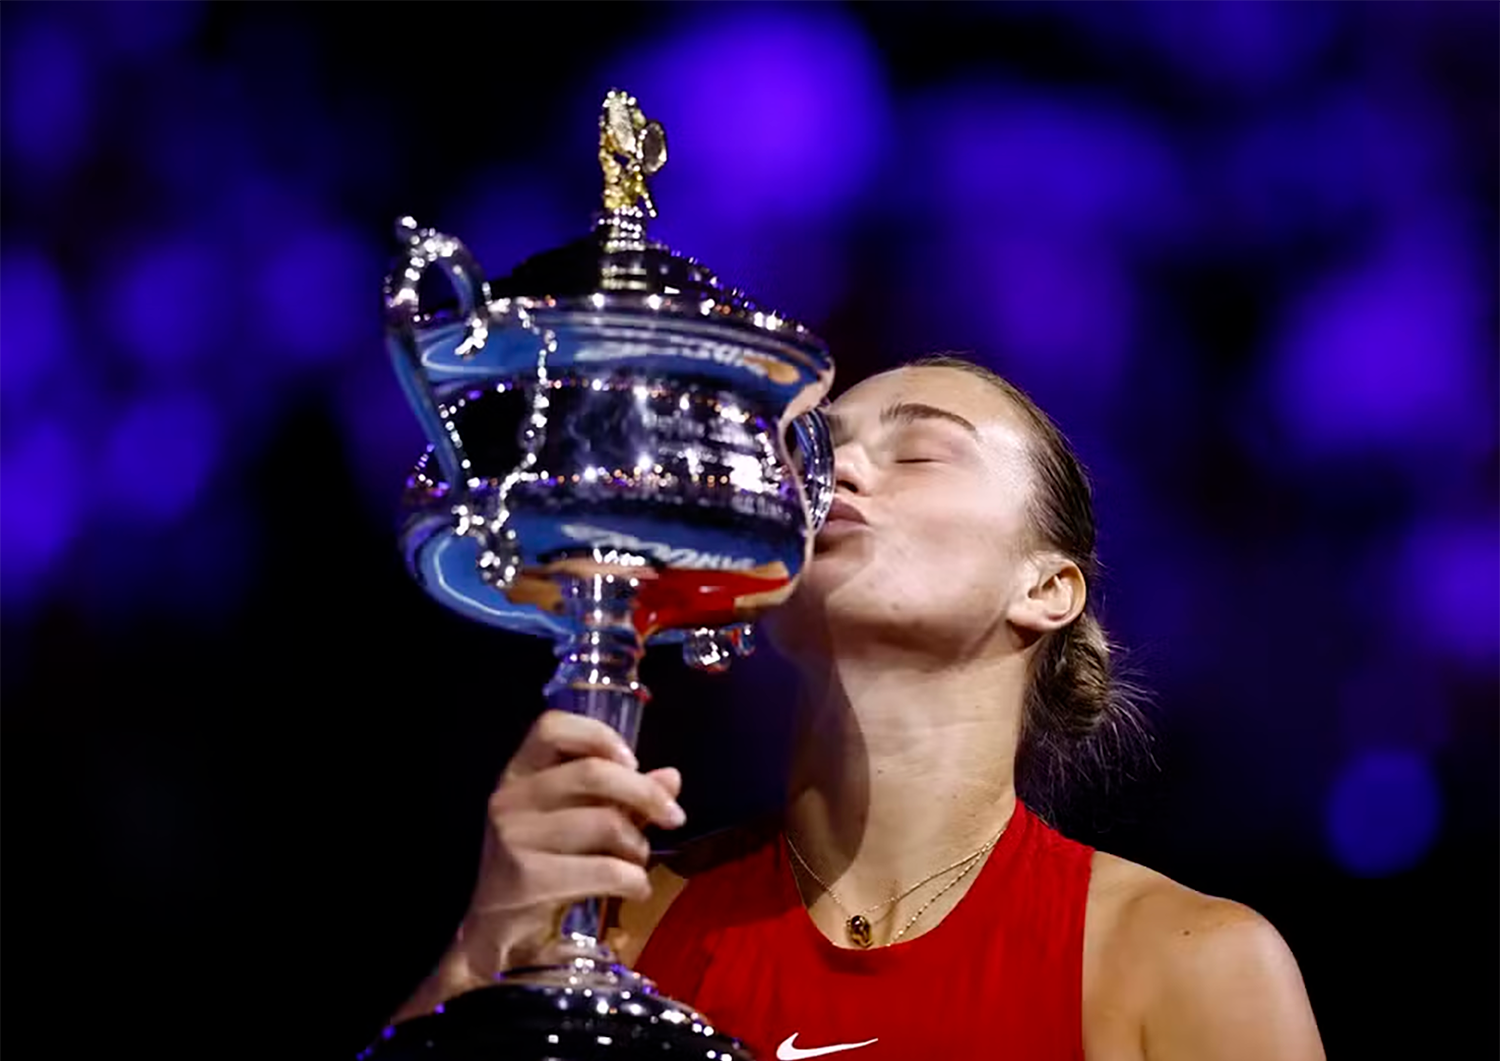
pixel 548 877
pixel 566 824
pixel 577 831
pixel 593 781
pixel 669 779
pixel 558 736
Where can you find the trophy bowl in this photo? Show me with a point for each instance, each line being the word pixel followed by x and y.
pixel 622 452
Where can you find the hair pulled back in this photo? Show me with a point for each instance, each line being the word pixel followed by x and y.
pixel 1080 722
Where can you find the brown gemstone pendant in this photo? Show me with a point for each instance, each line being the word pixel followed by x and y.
pixel 859 930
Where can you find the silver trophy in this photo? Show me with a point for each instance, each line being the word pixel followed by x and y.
pixel 622 452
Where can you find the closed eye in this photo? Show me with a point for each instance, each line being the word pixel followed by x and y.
pixel 927 442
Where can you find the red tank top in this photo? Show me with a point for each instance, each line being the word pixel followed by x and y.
pixel 1000 976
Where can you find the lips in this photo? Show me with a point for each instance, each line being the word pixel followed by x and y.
pixel 843 519
pixel 843 511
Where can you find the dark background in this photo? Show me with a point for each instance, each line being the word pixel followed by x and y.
pixel 1243 252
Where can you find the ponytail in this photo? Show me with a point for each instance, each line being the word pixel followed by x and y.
pixel 1081 721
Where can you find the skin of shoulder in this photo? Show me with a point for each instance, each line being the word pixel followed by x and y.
pixel 635 921
pixel 1172 974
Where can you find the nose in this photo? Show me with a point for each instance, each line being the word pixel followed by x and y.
pixel 851 469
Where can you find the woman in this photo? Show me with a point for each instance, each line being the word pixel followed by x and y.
pixel 906 903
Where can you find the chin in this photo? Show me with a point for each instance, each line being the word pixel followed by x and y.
pixel 820 580
pixel 835 562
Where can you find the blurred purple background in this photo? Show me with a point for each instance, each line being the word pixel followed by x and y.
pixel 1245 253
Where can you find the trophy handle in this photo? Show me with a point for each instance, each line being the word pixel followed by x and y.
pixel 426 248
pixel 810 431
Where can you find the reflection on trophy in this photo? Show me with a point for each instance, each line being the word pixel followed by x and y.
pixel 622 452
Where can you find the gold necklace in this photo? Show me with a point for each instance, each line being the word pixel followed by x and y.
pixel 858 926
pixel 923 908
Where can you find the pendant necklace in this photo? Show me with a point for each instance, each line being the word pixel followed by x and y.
pixel 858 926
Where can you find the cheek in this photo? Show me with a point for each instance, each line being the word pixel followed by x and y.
pixel 948 553
pixel 967 522
pixel 943 553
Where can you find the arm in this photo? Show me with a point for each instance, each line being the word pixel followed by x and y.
pixel 1227 988
pixel 451 977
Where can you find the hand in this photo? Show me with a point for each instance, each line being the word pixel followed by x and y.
pixel 564 824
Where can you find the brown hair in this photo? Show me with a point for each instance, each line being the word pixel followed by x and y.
pixel 1081 722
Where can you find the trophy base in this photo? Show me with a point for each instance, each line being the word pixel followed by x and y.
pixel 575 1012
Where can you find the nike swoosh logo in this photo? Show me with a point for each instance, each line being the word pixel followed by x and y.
pixel 789 1052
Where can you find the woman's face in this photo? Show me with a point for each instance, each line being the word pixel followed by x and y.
pixel 927 543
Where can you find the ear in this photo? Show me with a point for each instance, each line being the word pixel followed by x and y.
pixel 1053 593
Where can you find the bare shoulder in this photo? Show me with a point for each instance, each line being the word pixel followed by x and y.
pixel 670 873
pixel 1148 909
pixel 633 922
pixel 1208 977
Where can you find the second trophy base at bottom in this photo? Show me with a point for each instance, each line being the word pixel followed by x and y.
pixel 583 1011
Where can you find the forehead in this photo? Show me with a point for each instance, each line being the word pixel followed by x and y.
pixel 976 400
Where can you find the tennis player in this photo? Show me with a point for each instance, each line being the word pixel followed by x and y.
pixel 907 902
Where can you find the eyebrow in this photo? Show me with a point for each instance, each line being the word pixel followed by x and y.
pixel 901 413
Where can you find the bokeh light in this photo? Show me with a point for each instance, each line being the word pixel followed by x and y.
pixel 158 458
pixel 43 498
pixel 171 302
pixel 1062 308
pixel 1004 156
pixel 312 294
pixel 1441 592
pixel 36 321
pixel 504 216
pixel 49 98
pixel 1341 160
pixel 138 31
pixel 1384 811
pixel 1384 357
pixel 1025 254
pixel 1239 47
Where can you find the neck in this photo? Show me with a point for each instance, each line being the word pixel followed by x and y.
pixel 902 767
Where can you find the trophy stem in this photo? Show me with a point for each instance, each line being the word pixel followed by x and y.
pixel 596 677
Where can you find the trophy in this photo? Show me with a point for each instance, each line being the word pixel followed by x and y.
pixel 622 452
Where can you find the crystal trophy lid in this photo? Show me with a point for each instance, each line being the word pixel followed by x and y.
pixel 617 266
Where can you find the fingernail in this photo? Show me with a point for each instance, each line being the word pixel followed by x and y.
pixel 675 814
pixel 630 759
